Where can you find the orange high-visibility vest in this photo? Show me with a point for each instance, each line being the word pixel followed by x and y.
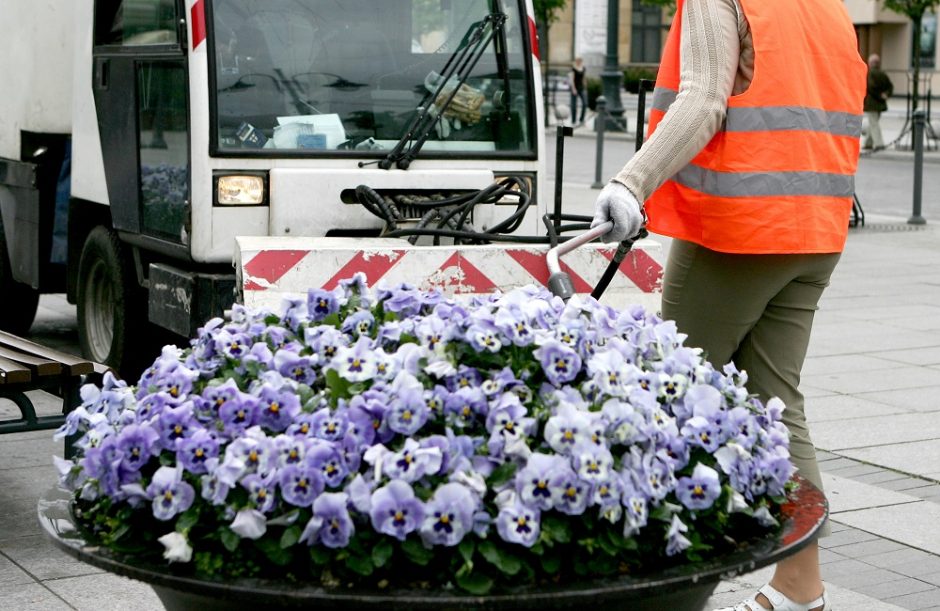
pixel 779 175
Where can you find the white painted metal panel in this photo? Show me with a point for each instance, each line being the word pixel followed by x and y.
pixel 88 177
pixel 307 202
pixel 36 64
pixel 271 269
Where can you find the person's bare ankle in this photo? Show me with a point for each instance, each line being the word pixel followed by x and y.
pixel 797 592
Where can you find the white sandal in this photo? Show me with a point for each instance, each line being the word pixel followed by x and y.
pixel 780 602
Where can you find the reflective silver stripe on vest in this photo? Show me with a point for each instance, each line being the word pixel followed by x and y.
pixel 777 118
pixel 757 184
pixel 663 98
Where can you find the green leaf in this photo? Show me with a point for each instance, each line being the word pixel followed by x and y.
pixel 274 552
pixel 466 549
pixel 229 539
pixel 291 536
pixel 382 552
pixel 501 559
pixel 187 519
pixel 331 319
pixel 501 474
pixel 416 552
pixel 320 555
pixel 551 563
pixel 360 564
pixel 661 513
pixel 556 528
pixel 607 545
pixel 475 583
pixel 339 388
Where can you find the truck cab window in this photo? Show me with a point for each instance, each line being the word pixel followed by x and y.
pixel 136 22
pixel 324 77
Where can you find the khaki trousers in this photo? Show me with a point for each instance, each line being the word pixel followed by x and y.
pixel 757 311
pixel 874 139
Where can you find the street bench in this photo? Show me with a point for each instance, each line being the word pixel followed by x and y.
pixel 26 366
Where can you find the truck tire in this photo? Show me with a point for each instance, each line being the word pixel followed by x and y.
pixel 19 302
pixel 111 305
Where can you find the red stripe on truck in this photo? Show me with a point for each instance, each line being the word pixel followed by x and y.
pixel 537 266
pixel 270 265
pixel 468 278
pixel 197 20
pixel 534 37
pixel 373 265
pixel 640 268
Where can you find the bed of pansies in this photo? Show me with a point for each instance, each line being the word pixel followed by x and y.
pixel 395 438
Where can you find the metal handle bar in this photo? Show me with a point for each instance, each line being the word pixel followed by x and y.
pixel 559 282
pixel 552 258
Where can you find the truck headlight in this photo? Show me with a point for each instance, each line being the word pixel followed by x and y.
pixel 240 190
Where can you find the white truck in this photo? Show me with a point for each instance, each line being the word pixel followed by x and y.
pixel 138 138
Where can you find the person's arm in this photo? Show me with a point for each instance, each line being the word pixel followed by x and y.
pixel 709 57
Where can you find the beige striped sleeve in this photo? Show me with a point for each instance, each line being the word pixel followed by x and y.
pixel 709 54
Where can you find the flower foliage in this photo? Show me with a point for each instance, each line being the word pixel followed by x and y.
pixel 398 437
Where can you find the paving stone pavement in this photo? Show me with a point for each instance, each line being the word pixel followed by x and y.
pixel 872 382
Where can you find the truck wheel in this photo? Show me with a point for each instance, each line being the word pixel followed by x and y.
pixel 19 301
pixel 110 303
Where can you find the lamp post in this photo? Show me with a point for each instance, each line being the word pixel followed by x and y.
pixel 611 76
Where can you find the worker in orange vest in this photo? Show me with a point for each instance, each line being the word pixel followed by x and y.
pixel 749 167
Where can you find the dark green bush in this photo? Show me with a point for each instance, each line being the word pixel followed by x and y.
pixel 595 88
pixel 632 76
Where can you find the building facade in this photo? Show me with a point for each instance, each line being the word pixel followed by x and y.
pixel 582 31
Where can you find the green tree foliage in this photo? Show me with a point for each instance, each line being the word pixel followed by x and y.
pixel 546 13
pixel 914 9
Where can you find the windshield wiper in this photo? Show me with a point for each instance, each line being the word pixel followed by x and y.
pixel 455 73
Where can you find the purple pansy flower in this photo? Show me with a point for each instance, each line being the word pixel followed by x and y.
pixel 261 490
pixel 330 525
pixel 517 523
pixel 136 443
pixel 448 515
pixel 327 460
pixel 300 484
pixel 559 362
pixel 194 452
pixel 539 482
pixel 276 408
pixel 321 303
pixel 395 510
pixel 169 493
pixel 701 489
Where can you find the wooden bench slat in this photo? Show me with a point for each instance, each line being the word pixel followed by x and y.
pixel 75 365
pixel 103 369
pixel 40 367
pixel 13 373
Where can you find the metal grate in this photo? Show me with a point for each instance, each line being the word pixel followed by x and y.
pixel 889 227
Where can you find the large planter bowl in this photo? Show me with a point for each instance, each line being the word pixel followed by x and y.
pixel 685 587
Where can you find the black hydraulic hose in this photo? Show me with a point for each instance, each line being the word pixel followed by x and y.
pixel 451 215
pixel 622 249
pixel 445 233
pixel 389 213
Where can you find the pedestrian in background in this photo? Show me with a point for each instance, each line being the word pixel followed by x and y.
pixel 752 175
pixel 876 102
pixel 577 80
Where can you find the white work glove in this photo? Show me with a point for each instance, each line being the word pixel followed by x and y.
pixel 616 203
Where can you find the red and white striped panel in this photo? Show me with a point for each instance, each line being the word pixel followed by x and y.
pixel 271 268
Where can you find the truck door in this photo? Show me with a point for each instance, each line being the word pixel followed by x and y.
pixel 140 98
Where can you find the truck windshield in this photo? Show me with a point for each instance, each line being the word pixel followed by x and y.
pixel 318 76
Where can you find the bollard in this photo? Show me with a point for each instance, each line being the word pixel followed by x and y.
pixel 645 86
pixel 563 132
pixel 919 119
pixel 600 120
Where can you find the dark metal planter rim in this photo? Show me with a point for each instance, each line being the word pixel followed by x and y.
pixel 804 513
